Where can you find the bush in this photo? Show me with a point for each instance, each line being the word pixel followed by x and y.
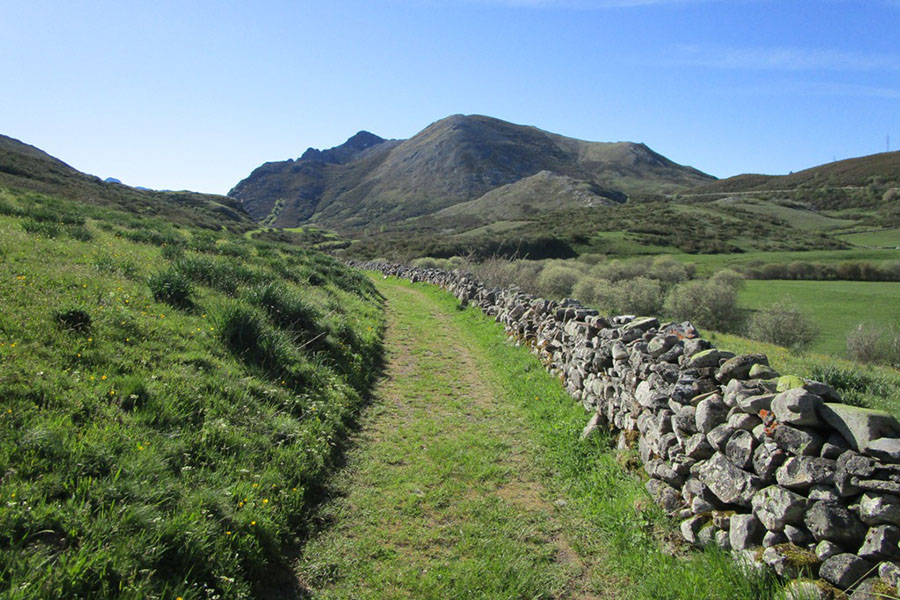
pixel 499 272
pixel 172 287
pixel 586 289
pixel 431 263
pixel 668 270
pixel 557 281
pixel 640 295
pixel 870 343
pixel 47 229
pixel 172 251
pixel 783 324
pixel 711 304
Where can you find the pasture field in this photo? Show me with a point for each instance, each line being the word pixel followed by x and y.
pixel 835 306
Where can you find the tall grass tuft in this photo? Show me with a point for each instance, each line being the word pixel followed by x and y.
pixel 286 308
pixel 172 287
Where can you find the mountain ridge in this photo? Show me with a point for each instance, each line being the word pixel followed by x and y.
pixel 369 180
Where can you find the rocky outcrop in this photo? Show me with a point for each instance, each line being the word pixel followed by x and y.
pixel 744 462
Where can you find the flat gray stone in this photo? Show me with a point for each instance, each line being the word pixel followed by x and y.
pixel 795 440
pixel 710 413
pixel 753 404
pixel 879 509
pixel 885 448
pixel 741 420
pixel 859 426
pixel 844 570
pixel 739 449
pixel 739 367
pixel 832 521
pixel 797 407
pixel 708 358
pixel 745 532
pixel 727 482
pixel 881 543
pixel 802 472
pixel 775 507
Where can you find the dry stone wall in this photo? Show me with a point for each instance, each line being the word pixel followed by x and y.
pixel 774 468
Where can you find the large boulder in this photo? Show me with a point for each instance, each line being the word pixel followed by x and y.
pixel 797 407
pixel 859 426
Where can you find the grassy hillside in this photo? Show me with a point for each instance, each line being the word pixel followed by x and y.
pixel 170 399
pixel 856 172
pixel 26 167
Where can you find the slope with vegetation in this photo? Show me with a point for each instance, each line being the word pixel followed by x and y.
pixel 172 393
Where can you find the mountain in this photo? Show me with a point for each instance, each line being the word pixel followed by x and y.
pixel 369 180
pixel 25 167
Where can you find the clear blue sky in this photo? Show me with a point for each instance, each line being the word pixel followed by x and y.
pixel 194 95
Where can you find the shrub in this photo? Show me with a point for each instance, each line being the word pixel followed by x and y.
pixel 430 263
pixel 667 269
pixel 48 229
pixel 172 251
pixel 499 272
pixel 728 277
pixel 711 304
pixel 586 289
pixel 870 343
pixel 640 295
pixel 783 324
pixel 220 274
pixel 78 232
pixel 557 281
pixel 171 286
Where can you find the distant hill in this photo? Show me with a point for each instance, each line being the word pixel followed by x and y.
pixel 852 172
pixel 457 160
pixel 28 168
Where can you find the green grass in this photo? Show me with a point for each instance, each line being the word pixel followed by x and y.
pixel 455 488
pixel 802 219
pixel 835 306
pixel 884 238
pixel 150 446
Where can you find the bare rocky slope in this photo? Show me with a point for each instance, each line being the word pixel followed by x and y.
pixel 459 159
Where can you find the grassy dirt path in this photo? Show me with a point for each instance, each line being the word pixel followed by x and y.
pixel 441 496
